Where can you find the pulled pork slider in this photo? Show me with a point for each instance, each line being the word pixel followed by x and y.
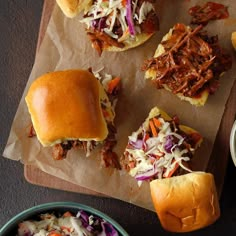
pixel 160 148
pixel 115 25
pixel 188 63
pixel 160 153
pixel 67 110
pixel 186 203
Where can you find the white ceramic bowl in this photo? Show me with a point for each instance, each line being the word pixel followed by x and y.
pixel 233 143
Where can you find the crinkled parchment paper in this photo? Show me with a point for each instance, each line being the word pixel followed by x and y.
pixel 66 46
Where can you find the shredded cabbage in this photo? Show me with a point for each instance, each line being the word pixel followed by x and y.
pixel 126 13
pixel 157 157
pixel 144 10
pixel 129 17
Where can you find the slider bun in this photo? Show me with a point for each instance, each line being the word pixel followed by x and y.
pixel 130 43
pixel 187 202
pixel 72 8
pixel 65 105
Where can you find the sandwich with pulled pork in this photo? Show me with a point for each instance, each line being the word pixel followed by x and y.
pixel 188 63
pixel 160 153
pixel 71 109
pixel 115 25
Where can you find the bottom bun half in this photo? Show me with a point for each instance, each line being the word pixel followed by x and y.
pixel 186 203
pixel 131 43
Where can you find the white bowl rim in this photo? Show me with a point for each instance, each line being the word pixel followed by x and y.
pixel 233 143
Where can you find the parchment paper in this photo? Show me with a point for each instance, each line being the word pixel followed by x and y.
pixel 66 46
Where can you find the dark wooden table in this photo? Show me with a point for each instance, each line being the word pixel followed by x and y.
pixel 20 23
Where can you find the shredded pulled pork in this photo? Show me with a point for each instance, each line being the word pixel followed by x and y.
pixel 60 150
pixel 201 15
pixel 31 132
pixel 108 157
pixel 191 63
pixel 101 40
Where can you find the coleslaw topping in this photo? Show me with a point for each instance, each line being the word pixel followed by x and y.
pixel 158 149
pixel 120 19
pixel 83 224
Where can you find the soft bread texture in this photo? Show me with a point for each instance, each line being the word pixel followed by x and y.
pixel 65 105
pixel 131 43
pixel 72 8
pixel 186 203
pixel 151 74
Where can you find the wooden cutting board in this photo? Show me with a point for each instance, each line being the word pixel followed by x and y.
pixel 218 160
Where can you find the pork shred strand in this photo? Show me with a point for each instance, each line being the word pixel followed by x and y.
pixel 201 15
pixel 101 40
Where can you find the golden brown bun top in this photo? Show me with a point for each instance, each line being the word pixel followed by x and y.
pixel 65 105
pixel 71 8
pixel 187 202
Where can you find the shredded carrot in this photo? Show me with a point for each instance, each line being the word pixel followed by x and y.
pixel 146 137
pixel 131 164
pixel 152 161
pixel 112 84
pixel 105 113
pixel 172 172
pixel 153 128
pixel 65 228
pixel 54 234
pixel 67 214
pixel 123 2
pixel 157 122
pixel 158 157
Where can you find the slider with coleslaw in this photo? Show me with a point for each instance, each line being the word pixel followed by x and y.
pixel 160 153
pixel 160 148
pixel 115 25
pixel 71 109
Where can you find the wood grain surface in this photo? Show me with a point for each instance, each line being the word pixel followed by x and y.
pixel 218 160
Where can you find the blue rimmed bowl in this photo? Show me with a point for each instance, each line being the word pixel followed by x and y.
pixel 10 228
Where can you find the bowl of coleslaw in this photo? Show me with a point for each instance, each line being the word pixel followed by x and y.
pixel 62 219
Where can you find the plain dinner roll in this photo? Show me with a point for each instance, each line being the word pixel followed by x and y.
pixel 187 202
